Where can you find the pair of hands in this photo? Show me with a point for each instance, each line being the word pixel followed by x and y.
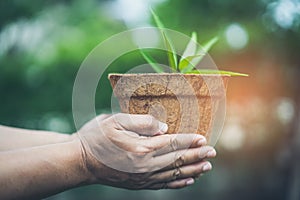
pixel 132 151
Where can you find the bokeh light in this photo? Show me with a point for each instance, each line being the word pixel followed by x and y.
pixel 43 43
pixel 236 36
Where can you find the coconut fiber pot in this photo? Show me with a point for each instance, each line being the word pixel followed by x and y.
pixel 188 103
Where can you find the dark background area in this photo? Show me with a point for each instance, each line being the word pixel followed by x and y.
pixel 42 44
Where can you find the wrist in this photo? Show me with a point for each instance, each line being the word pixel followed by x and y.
pixel 83 160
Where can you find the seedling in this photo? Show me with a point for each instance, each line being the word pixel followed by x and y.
pixel 190 57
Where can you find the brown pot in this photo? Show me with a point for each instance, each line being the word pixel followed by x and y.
pixel 186 102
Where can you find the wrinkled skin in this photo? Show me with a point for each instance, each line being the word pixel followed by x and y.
pixel 132 151
pixel 125 151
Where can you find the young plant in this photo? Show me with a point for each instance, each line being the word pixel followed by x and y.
pixel 190 57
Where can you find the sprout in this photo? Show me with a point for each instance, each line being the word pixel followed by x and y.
pixel 190 57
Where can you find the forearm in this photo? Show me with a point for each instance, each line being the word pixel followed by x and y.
pixel 16 138
pixel 37 172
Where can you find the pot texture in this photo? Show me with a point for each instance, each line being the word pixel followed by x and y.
pixel 188 103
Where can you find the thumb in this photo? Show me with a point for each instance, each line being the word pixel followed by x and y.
pixel 145 125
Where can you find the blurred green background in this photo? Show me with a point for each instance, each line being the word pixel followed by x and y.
pixel 42 44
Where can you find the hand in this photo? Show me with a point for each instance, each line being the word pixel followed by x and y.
pixel 118 151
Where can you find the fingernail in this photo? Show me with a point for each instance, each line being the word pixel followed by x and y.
pixel 163 127
pixel 190 182
pixel 201 142
pixel 211 153
pixel 207 167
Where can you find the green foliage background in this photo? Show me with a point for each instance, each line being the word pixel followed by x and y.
pixel 42 44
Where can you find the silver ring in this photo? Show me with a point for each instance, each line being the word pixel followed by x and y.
pixel 173 143
pixel 179 162
pixel 176 173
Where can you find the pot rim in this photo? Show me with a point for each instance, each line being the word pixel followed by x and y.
pixel 168 74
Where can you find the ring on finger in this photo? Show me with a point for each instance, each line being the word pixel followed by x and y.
pixel 173 143
pixel 179 162
pixel 176 173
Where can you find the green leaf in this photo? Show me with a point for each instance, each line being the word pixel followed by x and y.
pixel 210 71
pixel 159 24
pixel 157 68
pixel 172 57
pixel 209 44
pixel 171 53
pixel 205 48
pixel 191 47
pixel 185 64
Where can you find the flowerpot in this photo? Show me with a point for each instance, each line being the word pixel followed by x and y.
pixel 188 103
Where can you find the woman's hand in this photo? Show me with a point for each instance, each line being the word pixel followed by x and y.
pixel 132 151
pixel 127 151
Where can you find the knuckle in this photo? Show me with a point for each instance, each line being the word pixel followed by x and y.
pixel 147 148
pixel 137 163
pixel 140 151
pixel 139 154
pixel 143 147
pixel 148 143
pixel 140 166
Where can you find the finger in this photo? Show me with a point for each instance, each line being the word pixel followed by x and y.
pixel 179 158
pixel 191 156
pixel 142 124
pixel 174 184
pixel 164 144
pixel 180 183
pixel 192 170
